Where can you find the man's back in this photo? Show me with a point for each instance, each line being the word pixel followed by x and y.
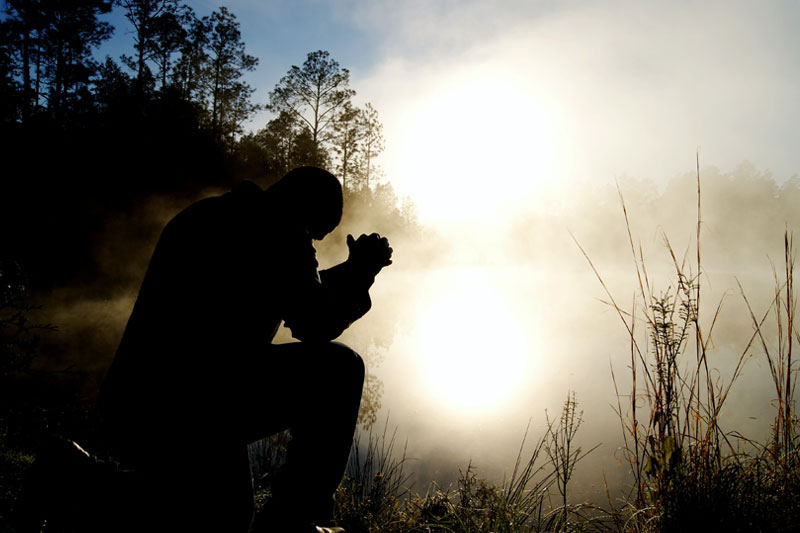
pixel 210 295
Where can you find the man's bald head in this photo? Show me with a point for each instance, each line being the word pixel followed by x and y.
pixel 311 196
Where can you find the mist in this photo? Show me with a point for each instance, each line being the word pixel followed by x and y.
pixel 550 93
pixel 547 300
pixel 511 128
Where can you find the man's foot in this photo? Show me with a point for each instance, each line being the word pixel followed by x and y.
pixel 265 523
pixel 280 517
pixel 309 528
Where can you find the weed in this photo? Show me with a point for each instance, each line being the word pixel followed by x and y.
pixel 688 473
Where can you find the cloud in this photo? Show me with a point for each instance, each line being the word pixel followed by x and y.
pixel 622 87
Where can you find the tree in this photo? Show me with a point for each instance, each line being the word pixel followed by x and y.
pixel 11 95
pixel 357 141
pixel 187 74
pixel 372 143
pixel 72 30
pixel 314 103
pixel 21 33
pixel 147 19
pixel 169 34
pixel 346 140
pixel 278 140
pixel 112 84
pixel 53 42
pixel 229 97
pixel 286 145
pixel 314 94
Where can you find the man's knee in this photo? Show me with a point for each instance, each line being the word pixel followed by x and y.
pixel 343 362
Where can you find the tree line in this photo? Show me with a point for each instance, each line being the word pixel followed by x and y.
pixel 82 137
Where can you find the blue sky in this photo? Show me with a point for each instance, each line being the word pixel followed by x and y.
pixel 279 33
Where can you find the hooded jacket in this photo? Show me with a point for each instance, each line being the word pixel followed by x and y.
pixel 224 274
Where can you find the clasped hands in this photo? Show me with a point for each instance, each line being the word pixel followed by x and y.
pixel 370 252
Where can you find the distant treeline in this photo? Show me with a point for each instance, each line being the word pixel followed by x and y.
pixel 84 141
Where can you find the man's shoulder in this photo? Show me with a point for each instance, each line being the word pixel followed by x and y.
pixel 247 188
pixel 244 194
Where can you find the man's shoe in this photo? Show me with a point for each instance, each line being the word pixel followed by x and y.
pixel 283 526
pixel 310 529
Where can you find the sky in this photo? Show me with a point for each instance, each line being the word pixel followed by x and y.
pixel 538 93
pixel 506 123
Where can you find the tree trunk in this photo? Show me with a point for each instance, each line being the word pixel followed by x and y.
pixel 215 98
pixel 26 75
pixel 37 88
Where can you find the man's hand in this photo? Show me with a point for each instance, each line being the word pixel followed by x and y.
pixel 370 252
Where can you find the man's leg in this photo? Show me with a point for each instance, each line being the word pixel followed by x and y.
pixel 192 472
pixel 191 482
pixel 314 389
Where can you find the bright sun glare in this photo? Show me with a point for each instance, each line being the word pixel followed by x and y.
pixel 475 352
pixel 476 146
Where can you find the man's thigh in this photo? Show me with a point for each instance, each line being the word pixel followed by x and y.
pixel 287 381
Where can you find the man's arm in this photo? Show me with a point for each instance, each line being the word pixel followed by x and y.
pixel 326 303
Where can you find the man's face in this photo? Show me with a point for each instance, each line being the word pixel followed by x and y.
pixel 317 234
pixel 317 213
pixel 319 223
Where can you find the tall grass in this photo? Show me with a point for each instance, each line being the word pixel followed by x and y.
pixel 689 474
pixel 266 457
pixel 559 444
pixel 374 496
pixel 370 495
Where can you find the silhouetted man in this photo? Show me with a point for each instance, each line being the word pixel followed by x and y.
pixel 196 376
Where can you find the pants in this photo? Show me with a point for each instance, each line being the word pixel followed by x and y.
pixel 196 464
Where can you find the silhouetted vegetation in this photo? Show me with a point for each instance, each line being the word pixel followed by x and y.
pixel 98 154
pixel 375 495
pixel 84 140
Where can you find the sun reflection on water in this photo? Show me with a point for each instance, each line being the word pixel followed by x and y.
pixel 475 351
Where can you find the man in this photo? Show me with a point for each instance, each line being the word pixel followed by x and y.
pixel 196 376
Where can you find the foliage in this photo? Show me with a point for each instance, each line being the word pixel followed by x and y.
pixel 17 338
pixel 52 44
pixel 266 457
pixel 373 496
pixel 370 493
pixel 372 144
pixel 559 444
pixel 32 404
pixel 153 27
pixel 228 97
pixel 318 124
pixel 370 400
pixel 688 472
pixel 345 142
pixel 313 94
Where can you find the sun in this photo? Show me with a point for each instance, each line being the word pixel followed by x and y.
pixel 475 352
pixel 475 146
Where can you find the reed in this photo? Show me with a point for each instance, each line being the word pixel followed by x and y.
pixel 688 473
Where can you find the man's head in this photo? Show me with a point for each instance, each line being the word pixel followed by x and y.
pixel 312 197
